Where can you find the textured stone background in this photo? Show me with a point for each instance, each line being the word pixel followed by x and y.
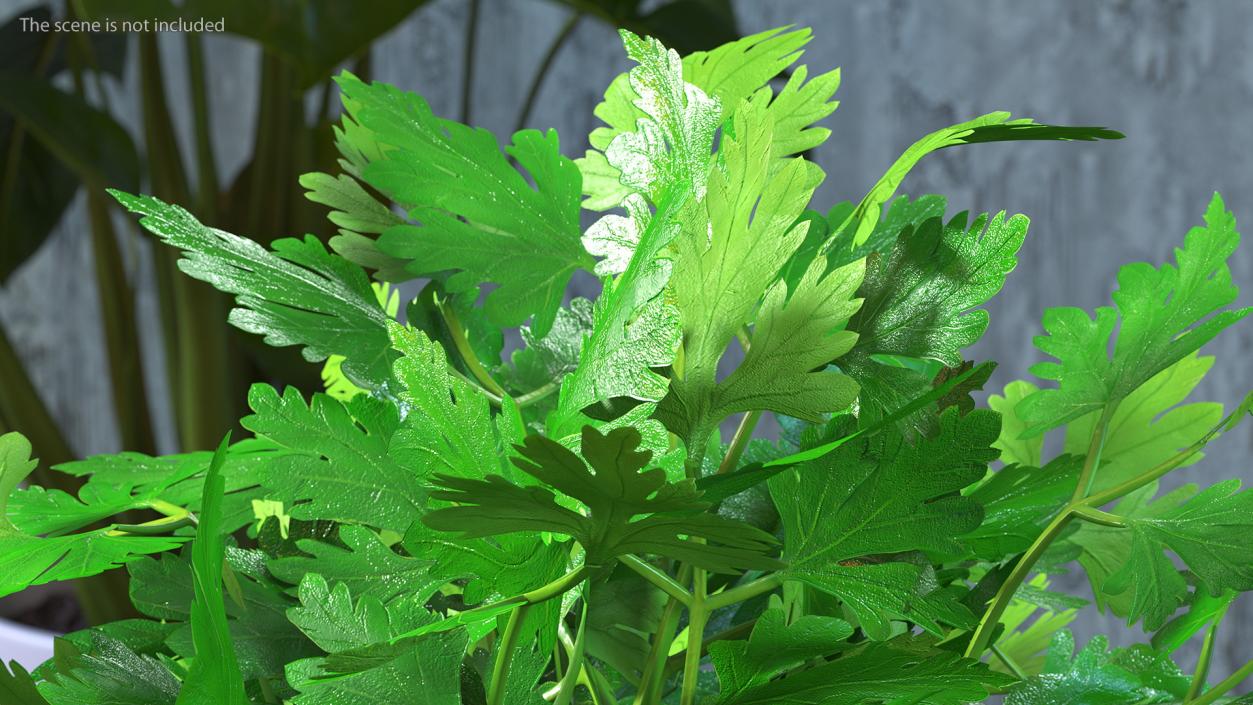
pixel 1176 77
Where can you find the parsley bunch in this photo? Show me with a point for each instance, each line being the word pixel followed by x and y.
pixel 450 527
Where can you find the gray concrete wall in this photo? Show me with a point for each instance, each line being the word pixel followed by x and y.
pixel 1176 77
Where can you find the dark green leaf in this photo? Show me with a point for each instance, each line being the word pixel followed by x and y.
pixel 882 496
pixel 904 670
pixel 615 493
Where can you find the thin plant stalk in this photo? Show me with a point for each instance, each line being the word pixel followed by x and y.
pixel 545 64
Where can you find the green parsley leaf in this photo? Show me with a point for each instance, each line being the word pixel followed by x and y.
pixel 719 274
pixel 299 294
pixel 993 127
pixel 1150 425
pixel 27 560
pixel 673 140
pixel 633 328
pixel 1096 676
pixel 361 561
pixel 905 669
pixel 335 468
pixel 1018 502
pixel 478 214
pixel 1211 532
pixel 448 424
pixel 774 646
pixel 106 671
pixel 431 666
pixel 1014 448
pixel 703 90
pixel 1161 316
pixel 921 302
pixel 615 493
pixel 17 687
pixel 882 496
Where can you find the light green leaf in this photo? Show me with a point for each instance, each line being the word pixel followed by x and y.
pixel 722 270
pixel 724 76
pixel 479 215
pixel 633 329
pixel 1014 448
pixel 1029 629
pixel 214 677
pixel 299 294
pixel 672 143
pixel 1163 315
pixel 177 479
pixel 27 560
pixel 1150 425
pixel 352 207
pixel 1203 609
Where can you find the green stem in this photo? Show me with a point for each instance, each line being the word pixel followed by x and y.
pixel 537 82
pixel 156 527
pixel 739 442
pixel 747 591
pixel 491 398
pixel 462 342
pixel 206 162
pixel 598 685
pixel 1085 509
pixel 738 632
pixel 654 668
pixel 1158 471
pixel 657 577
pixel 467 60
pixel 537 394
pixel 504 654
pixel 698 615
pixel 1088 475
pixel 992 617
pixel 1203 661
pixel 1010 663
pixel 1221 689
pixel 574 671
pixel 1096 516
